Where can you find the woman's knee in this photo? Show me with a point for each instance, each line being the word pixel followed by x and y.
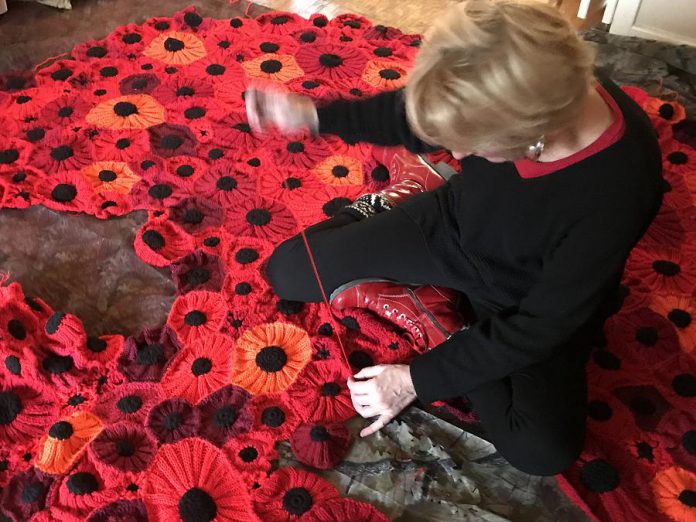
pixel 281 268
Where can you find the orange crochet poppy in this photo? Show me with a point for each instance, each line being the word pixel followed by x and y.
pixel 681 311
pixel 385 75
pixel 134 111
pixel 65 442
pixel 675 493
pixel 275 67
pixel 200 369
pixel 176 48
pixel 268 357
pixel 340 170
pixel 110 176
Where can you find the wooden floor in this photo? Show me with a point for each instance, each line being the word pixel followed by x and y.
pixel 413 16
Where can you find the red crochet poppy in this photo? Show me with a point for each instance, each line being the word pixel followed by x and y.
pixel 382 33
pixel 130 39
pixel 189 20
pixel 122 449
pixel 232 92
pixel 246 290
pixel 26 413
pixel 195 215
pixel 319 89
pixel 16 80
pixel 203 367
pixel 349 24
pixel 93 50
pixel 291 186
pixel 18 326
pixel 279 22
pixel 275 414
pixel 665 271
pixel 158 191
pixel 58 74
pixel 234 132
pixel 666 230
pixel 324 203
pixel 120 145
pixel 129 402
pixel 264 43
pixel 191 480
pixel 74 496
pixel 321 446
pixel 212 241
pixel 322 389
pixel 649 337
pixel 60 152
pixel 251 454
pixel 331 60
pixel 145 357
pixel 678 194
pixel 67 191
pixel 172 420
pixel 352 89
pixel 26 494
pixel 26 104
pixel 199 115
pixel 169 140
pixel 225 414
pixel 226 184
pixel 183 87
pixel 196 315
pixel 186 169
pixel 65 332
pixel 217 70
pixel 130 510
pixel 198 271
pixel 160 243
pixel 679 158
pixel 240 320
pixel 678 437
pixel 62 372
pixel 290 493
pixel 65 111
pixel 14 155
pixel 269 220
pixel 246 254
pixel 139 83
pixel 345 509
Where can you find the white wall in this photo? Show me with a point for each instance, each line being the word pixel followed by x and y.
pixel 671 20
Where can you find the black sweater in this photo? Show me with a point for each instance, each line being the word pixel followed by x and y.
pixel 537 257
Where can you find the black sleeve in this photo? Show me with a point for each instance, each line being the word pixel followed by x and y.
pixel 575 277
pixel 380 119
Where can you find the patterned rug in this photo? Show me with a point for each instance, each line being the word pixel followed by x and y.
pixel 180 422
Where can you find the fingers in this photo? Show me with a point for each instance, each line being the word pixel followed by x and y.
pixel 358 388
pixel 369 371
pixel 380 423
pixel 251 99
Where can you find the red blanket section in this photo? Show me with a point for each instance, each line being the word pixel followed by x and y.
pixel 180 422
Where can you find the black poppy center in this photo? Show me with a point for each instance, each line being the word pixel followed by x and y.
pixel 129 404
pixel 173 421
pixel 57 364
pixel 35 134
pixel 82 483
pixel 107 175
pixel 61 430
pixel 96 345
pixel 319 434
pixel 62 152
pixel 258 216
pixel 76 400
pixel 173 45
pixel 271 66
pixel 13 365
pixel 193 19
pixel 684 385
pixel 678 158
pixel 122 143
pixel 599 476
pixel 184 171
pixel 171 141
pixel 226 183
pixel 160 191
pixel 308 36
pixel 248 454
pixel 383 51
pixel 65 112
pixel 389 74
pixel 291 183
pixel 96 52
pixel 271 358
pixel 330 389
pixel 330 60
pixel 360 359
pixel 125 448
pixel 215 69
pixel 280 20
pixel 193 216
pixel 297 501
pixel 195 318
pixel 201 366
pixel 124 109
pixel 310 84
pixel 194 113
pixel 269 47
pixel 334 205
pixel 242 288
pixel 211 241
pixel 688 498
pixel 289 307
pixel 680 318
pixel 16 329
pixel 10 407
pixel 64 192
pixel 647 336
pixel 273 417
pixel 225 416
pixel 242 127
pixel 197 506
pixel 162 26
pixel 246 255
pixel 62 74
pixel 153 239
pixel 32 492
pixel 642 406
pixel 150 354
pixel 339 171
pixel 667 268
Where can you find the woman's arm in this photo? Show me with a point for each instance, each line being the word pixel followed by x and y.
pixel 380 119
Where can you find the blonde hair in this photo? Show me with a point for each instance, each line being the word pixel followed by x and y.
pixel 495 75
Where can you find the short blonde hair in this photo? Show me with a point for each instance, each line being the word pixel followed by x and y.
pixel 495 75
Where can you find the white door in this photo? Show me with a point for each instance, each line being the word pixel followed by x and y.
pixel 669 20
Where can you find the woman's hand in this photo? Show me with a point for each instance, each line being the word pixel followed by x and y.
pixel 287 111
pixel 383 390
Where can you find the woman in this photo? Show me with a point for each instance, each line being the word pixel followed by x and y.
pixel 560 177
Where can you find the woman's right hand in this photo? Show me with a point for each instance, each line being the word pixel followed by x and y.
pixel 287 112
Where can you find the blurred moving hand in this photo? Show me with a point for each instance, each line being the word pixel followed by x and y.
pixel 288 112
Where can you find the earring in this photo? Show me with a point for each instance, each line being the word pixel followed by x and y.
pixel 534 151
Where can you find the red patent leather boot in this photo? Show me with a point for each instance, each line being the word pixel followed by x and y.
pixel 409 173
pixel 428 314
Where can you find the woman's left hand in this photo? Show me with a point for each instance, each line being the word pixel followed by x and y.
pixel 383 390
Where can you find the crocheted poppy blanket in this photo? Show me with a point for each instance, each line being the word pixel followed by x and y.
pixel 179 422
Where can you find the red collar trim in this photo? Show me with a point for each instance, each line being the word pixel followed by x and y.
pixel 534 169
